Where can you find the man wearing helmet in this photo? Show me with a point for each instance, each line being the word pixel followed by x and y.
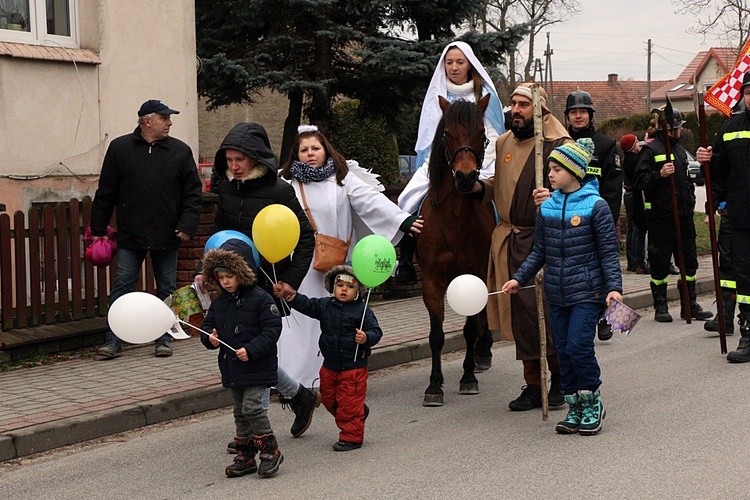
pixel 652 176
pixel 604 165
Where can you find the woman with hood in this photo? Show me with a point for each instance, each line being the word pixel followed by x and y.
pixel 248 170
pixel 458 75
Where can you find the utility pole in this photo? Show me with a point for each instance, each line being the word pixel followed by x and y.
pixel 648 79
pixel 538 71
pixel 548 74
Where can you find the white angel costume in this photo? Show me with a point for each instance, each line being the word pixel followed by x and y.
pixel 440 85
pixel 359 205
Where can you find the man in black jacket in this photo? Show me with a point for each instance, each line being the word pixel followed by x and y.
pixel 604 164
pixel 730 167
pixel 150 179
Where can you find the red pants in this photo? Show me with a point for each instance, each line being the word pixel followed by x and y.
pixel 343 395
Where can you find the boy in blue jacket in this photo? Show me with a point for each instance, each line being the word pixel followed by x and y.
pixel 245 318
pixel 575 237
pixel 345 347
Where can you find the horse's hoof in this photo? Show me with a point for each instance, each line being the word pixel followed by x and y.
pixel 482 363
pixel 470 388
pixel 433 400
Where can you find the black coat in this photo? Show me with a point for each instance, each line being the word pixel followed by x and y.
pixel 240 202
pixel 247 318
pixel 605 166
pixel 155 189
pixel 337 324
pixel 730 169
pixel 656 189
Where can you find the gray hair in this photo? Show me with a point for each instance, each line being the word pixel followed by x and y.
pixel 150 117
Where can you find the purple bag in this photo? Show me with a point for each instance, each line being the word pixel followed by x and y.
pixel 101 252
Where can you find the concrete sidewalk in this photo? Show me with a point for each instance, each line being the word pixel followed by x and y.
pixel 68 402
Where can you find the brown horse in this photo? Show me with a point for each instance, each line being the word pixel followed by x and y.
pixel 456 236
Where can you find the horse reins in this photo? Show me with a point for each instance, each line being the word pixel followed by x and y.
pixel 478 155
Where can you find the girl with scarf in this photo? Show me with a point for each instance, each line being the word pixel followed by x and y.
pixel 458 75
pixel 344 206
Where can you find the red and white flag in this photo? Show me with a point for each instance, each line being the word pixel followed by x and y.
pixel 725 93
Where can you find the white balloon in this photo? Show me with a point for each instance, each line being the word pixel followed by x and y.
pixel 140 317
pixel 467 294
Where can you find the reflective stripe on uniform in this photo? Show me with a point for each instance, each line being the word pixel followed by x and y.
pixel 743 299
pixel 647 205
pixel 691 278
pixel 739 134
pixel 728 284
pixel 660 158
pixel 594 171
pixel 660 282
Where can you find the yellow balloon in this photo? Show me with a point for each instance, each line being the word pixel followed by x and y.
pixel 275 232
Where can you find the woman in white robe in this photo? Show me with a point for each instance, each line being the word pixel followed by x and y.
pixel 458 75
pixel 341 204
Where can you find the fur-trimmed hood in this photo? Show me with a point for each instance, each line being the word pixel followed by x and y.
pixel 330 277
pixel 235 255
pixel 252 140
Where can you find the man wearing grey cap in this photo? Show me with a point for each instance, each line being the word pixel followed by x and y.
pixel 150 179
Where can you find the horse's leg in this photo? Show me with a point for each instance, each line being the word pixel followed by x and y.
pixel 483 353
pixel 469 383
pixel 433 396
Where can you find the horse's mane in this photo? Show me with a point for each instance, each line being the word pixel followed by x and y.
pixel 460 112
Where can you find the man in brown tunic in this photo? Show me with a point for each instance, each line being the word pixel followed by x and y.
pixel 513 189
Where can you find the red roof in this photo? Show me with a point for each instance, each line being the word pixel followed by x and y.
pixel 681 88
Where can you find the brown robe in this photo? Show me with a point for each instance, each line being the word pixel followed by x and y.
pixel 515 315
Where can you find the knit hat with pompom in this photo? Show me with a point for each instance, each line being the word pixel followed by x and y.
pixel 574 156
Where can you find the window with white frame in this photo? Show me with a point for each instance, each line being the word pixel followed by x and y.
pixel 45 22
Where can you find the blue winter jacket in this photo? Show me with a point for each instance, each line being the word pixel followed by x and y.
pixel 575 237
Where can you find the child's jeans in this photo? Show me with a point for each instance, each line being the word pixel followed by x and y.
pixel 573 330
pixel 286 385
pixel 343 394
pixel 249 416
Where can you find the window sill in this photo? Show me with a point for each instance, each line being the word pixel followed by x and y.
pixel 26 51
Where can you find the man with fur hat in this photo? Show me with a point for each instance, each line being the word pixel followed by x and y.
pixel 345 346
pixel 245 325
pixel 516 199
pixel 730 168
pixel 605 162
pixel 652 172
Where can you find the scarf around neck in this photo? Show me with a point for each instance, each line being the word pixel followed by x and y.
pixel 305 173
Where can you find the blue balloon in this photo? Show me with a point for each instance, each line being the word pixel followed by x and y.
pixel 221 237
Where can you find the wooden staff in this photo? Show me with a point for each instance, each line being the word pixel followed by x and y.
pixel 684 298
pixel 539 278
pixel 712 226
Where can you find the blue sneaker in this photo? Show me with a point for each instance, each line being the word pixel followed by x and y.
pixel 573 420
pixel 592 412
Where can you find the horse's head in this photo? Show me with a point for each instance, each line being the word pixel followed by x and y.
pixel 463 140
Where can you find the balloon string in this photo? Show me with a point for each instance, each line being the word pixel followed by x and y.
pixel 362 323
pixel 522 288
pixel 284 305
pixel 203 331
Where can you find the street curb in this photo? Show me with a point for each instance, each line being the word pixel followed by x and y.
pixel 73 430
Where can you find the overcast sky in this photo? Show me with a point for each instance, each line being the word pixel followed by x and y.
pixel 610 36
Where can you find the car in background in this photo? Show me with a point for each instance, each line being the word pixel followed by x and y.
pixel 695 172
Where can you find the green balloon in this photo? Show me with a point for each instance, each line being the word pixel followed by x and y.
pixel 373 260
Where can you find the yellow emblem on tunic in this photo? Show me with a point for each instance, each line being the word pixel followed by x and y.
pixel 508 157
pixel 575 220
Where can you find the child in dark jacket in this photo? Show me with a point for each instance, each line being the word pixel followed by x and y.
pixel 246 319
pixel 575 237
pixel 343 376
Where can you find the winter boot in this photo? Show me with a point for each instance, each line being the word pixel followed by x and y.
pixel 303 405
pixel 696 311
pixel 659 293
pixel 728 301
pixel 742 354
pixel 592 412
pixel 555 396
pixel 244 462
pixel 573 419
pixel 111 349
pixel 270 456
pixel 405 272
pixel 531 397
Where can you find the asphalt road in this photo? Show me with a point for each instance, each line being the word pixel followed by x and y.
pixel 675 428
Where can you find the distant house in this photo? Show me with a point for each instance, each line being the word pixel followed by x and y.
pixel 73 74
pixel 612 98
pixel 704 70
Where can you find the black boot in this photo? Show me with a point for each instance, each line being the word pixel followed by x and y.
pixel 244 462
pixel 728 301
pixel 659 293
pixel 270 455
pixel 405 272
pixel 555 396
pixel 531 397
pixel 303 405
pixel 742 354
pixel 696 311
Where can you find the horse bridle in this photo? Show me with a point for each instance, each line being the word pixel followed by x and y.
pixel 478 155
